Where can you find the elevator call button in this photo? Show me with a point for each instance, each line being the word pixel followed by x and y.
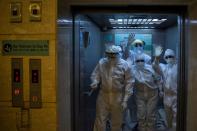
pixel 17 92
pixel 35 83
pixel 17 82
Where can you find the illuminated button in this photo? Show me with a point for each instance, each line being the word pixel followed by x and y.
pixel 34 98
pixel 16 92
pixel 16 75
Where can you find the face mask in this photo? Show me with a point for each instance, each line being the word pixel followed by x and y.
pixel 112 56
pixel 140 64
pixel 138 49
pixel 170 60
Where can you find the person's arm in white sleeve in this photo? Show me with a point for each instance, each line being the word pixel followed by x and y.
pixel 129 82
pixel 95 77
pixel 156 66
pixel 126 52
pixel 148 59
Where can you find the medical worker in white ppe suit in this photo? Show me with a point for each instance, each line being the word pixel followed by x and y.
pixel 130 56
pixel 147 93
pixel 116 82
pixel 169 74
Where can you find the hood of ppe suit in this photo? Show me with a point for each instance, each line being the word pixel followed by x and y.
pixel 138 41
pixel 169 52
pixel 113 49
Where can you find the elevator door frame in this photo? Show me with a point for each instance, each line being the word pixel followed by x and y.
pixel 179 10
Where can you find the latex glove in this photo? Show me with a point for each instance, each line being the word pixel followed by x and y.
pixel 93 86
pixel 124 105
pixel 161 94
pixel 158 51
pixel 88 93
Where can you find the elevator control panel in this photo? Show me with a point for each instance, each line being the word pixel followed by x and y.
pixel 17 82
pixel 35 83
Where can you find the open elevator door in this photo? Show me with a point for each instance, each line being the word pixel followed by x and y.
pixel 88 48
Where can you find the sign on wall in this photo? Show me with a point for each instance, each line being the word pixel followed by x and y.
pixel 25 47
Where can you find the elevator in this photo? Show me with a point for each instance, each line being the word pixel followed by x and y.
pixel 95 26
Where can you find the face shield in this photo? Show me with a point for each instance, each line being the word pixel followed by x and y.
pixel 113 51
pixel 138 46
pixel 112 55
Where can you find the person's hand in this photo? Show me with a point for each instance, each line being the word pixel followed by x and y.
pixel 93 86
pixel 161 94
pixel 158 51
pixel 124 105
pixel 131 38
pixel 157 59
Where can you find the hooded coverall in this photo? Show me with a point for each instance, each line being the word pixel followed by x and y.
pixel 115 79
pixel 169 73
pixel 170 92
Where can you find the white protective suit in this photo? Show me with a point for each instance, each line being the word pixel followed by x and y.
pixel 115 79
pixel 147 88
pixel 169 74
pixel 130 119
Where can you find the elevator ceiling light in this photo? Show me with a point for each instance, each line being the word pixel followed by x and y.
pixel 144 20
pixel 120 21
pixel 112 21
pixel 136 21
pixel 155 20
pixel 130 21
pixel 125 21
pixel 132 27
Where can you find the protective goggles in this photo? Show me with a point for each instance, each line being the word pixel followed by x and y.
pixel 138 45
pixel 139 61
pixel 170 56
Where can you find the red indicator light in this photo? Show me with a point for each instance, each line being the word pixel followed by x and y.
pixel 16 75
pixel 16 92
pixel 34 98
pixel 17 79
